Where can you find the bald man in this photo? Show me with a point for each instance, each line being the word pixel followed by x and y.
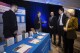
pixel 53 26
pixel 10 22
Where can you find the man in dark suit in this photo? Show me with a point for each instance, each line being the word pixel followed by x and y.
pixel 37 22
pixel 53 26
pixel 61 22
pixel 10 22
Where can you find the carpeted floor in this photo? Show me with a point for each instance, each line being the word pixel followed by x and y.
pixel 56 49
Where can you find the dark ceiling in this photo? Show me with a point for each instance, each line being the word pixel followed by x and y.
pixel 17 2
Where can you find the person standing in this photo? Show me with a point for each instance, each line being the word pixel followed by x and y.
pixel 10 22
pixel 61 22
pixel 70 31
pixel 53 26
pixel 37 22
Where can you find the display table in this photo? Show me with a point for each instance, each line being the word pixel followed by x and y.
pixel 1 47
pixel 42 47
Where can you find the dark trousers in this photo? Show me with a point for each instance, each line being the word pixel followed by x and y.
pixel 68 44
pixel 54 32
pixel 60 34
pixel 54 38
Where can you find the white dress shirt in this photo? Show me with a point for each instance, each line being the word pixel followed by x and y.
pixel 60 19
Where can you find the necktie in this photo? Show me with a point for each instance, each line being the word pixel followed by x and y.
pixel 59 18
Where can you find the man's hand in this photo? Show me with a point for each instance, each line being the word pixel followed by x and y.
pixel 15 32
pixel 51 27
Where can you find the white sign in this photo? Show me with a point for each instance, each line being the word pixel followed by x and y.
pixel 10 41
pixel 26 35
pixel 35 41
pixel 23 48
pixel 19 38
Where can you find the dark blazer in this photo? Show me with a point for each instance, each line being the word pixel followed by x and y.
pixel 36 23
pixel 72 26
pixel 53 22
pixel 64 18
pixel 9 22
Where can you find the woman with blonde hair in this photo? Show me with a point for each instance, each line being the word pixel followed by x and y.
pixel 70 31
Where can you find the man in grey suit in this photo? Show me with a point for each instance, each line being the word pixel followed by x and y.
pixel 53 26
